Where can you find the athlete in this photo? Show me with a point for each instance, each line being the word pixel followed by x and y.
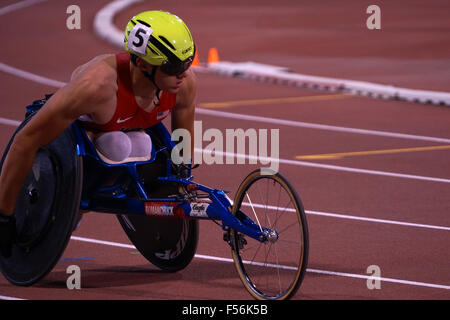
pixel 115 96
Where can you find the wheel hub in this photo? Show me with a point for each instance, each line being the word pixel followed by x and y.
pixel 271 236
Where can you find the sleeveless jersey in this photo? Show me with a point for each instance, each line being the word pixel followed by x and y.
pixel 128 114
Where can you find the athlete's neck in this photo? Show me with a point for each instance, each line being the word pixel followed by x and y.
pixel 142 86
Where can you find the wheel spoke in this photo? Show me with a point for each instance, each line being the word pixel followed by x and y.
pixel 276 271
pixel 253 209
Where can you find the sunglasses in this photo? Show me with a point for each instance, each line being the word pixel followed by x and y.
pixel 176 68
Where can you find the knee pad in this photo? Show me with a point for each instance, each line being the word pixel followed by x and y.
pixel 141 144
pixel 114 145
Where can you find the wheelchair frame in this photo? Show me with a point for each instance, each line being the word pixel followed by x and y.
pixel 136 191
pixel 185 206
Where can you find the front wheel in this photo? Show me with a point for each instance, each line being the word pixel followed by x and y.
pixel 272 269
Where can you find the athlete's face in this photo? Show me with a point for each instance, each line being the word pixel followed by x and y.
pixel 169 83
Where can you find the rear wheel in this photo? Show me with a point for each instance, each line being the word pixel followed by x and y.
pixel 273 269
pixel 169 244
pixel 46 210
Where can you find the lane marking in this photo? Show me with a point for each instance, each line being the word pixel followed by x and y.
pixel 104 21
pixel 301 163
pixel 235 103
pixel 18 5
pixel 9 122
pixel 106 243
pixel 324 166
pixel 350 217
pixel 401 223
pixel 55 83
pixel 10 298
pixel 299 124
pixel 31 76
pixel 399 281
pixel 332 273
pixel 40 79
pixel 329 156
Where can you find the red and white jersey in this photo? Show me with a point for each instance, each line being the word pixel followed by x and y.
pixel 128 114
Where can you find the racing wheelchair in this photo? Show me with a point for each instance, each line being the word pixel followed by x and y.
pixel 158 206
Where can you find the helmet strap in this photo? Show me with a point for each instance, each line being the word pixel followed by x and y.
pixel 151 77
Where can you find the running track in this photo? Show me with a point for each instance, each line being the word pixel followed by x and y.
pixel 389 208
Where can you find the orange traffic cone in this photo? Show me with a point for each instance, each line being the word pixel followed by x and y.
pixel 213 56
pixel 196 61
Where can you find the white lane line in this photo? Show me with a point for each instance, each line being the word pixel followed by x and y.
pixel 299 124
pixel 401 223
pixel 406 282
pixel 55 83
pixel 9 122
pixel 103 21
pixel 223 114
pixel 332 273
pixel 107 243
pixel 18 5
pixel 349 217
pixel 300 163
pixel 266 160
pixel 10 298
pixel 364 171
pixel 31 76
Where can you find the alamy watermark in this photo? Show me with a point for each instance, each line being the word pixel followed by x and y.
pixel 374 281
pixel 263 147
pixel 74 280
pixel 373 22
pixel 73 21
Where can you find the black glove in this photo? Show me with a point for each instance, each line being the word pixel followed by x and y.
pixel 7 234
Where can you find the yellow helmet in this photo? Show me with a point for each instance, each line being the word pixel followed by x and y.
pixel 161 39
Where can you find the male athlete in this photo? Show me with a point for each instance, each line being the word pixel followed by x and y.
pixel 114 96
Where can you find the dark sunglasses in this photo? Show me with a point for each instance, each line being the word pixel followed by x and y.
pixel 172 68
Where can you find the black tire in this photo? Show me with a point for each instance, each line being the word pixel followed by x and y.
pixel 46 211
pixel 169 244
pixel 272 270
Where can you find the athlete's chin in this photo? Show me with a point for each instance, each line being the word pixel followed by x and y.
pixel 175 89
pixel 172 87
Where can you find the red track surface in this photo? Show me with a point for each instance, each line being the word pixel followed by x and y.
pixel 411 50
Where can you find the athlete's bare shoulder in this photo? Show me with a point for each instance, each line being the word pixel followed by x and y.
pixel 101 68
pixel 187 93
pixel 94 83
pixel 191 80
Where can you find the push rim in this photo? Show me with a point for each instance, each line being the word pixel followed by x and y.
pixel 49 207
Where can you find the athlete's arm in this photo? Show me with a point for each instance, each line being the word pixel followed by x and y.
pixel 82 95
pixel 184 111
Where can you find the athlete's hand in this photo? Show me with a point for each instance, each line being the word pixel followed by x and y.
pixel 7 234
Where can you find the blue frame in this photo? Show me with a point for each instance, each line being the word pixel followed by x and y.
pixel 116 200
